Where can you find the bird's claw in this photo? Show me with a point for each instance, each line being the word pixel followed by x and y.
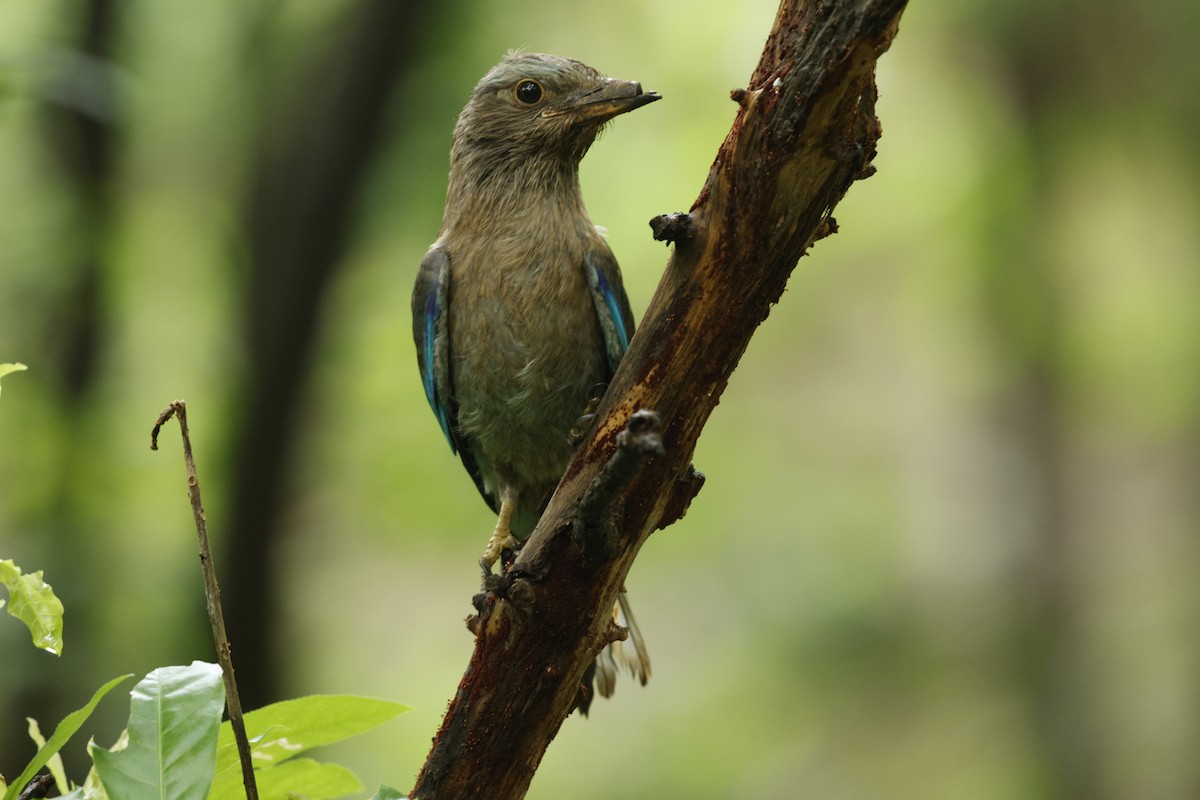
pixel 584 423
pixel 500 541
pixel 575 435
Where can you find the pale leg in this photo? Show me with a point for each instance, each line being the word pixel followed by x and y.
pixel 502 535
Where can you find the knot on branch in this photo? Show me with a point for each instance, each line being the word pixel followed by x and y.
pixel 480 601
pixel 511 585
pixel 826 227
pixel 677 227
pixel 613 632
pixel 745 97
pixel 595 532
pixel 682 494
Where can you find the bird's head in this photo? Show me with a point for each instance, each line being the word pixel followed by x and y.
pixel 537 105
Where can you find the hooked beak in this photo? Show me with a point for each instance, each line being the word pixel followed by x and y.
pixel 610 98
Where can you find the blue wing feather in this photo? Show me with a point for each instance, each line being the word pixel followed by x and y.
pixel 432 312
pixel 614 310
pixel 610 302
pixel 431 332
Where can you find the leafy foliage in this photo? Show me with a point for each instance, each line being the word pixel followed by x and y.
pixel 282 731
pixel 301 777
pixel 176 747
pixel 388 793
pixel 33 602
pixel 7 368
pixel 62 732
pixel 171 744
pixel 174 719
pixel 55 764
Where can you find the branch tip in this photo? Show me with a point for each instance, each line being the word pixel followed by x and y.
pixel 177 407
pixel 676 227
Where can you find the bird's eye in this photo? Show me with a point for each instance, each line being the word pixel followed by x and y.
pixel 529 92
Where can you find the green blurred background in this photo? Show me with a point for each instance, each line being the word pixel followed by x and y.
pixel 948 544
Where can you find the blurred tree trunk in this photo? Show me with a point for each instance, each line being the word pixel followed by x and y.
pixel 77 93
pixel 1025 311
pixel 82 138
pixel 313 157
pixel 1066 62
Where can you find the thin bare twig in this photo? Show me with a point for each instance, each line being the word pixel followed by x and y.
pixel 212 593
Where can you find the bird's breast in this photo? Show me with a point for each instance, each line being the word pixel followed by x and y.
pixel 528 350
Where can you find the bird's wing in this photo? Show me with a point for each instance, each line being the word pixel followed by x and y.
pixel 431 332
pixel 610 301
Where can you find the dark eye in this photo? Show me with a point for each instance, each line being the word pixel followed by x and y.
pixel 529 92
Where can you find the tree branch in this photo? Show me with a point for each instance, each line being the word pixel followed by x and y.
pixel 806 131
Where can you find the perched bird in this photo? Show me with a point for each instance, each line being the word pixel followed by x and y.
pixel 519 312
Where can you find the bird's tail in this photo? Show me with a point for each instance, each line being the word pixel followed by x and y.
pixel 630 654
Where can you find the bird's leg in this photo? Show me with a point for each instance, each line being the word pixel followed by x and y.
pixel 502 536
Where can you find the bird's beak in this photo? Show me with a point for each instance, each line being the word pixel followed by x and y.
pixel 610 98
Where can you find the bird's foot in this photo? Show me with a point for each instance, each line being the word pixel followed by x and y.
pixel 584 423
pixel 501 540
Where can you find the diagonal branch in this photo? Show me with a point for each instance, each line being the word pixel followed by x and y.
pixel 806 131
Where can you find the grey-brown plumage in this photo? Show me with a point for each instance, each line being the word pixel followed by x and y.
pixel 519 313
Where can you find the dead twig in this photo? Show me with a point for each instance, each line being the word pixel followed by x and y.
pixel 212 593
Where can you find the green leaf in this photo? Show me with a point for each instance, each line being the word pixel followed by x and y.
pixel 55 763
pixel 303 777
pixel 62 732
pixel 34 603
pixel 388 793
pixel 7 368
pixel 92 788
pixel 299 777
pixel 174 720
pixel 284 730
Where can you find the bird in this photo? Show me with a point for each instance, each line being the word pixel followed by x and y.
pixel 520 315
